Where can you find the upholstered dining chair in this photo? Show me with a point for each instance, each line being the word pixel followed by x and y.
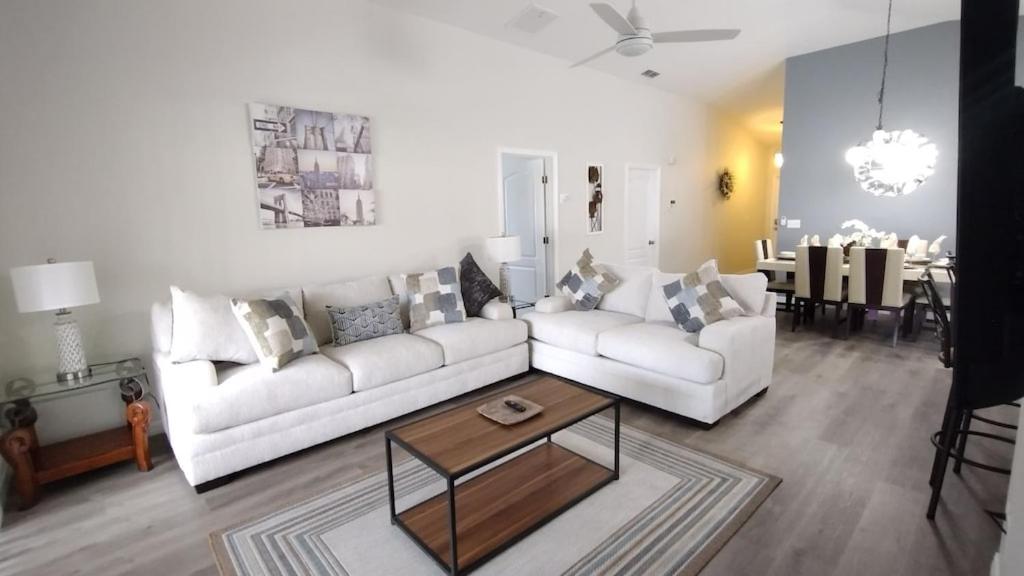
pixel 778 282
pixel 876 283
pixel 819 280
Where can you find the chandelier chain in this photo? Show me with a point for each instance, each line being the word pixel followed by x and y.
pixel 885 66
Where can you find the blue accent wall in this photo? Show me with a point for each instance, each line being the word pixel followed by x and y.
pixel 831 105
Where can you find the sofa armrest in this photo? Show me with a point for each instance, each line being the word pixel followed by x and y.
pixel 747 345
pixel 496 310
pixel 771 302
pixel 177 385
pixel 552 304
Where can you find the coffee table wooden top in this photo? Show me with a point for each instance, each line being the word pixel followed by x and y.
pixel 459 440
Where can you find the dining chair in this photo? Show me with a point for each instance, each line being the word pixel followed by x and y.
pixel 951 440
pixel 764 250
pixel 876 283
pixel 819 280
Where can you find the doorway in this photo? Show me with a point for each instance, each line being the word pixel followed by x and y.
pixel 643 197
pixel 527 210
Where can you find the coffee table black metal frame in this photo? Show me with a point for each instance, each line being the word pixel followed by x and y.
pixel 450 479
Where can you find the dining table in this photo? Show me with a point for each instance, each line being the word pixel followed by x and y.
pixel 911 271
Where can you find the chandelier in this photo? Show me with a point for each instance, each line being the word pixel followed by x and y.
pixel 892 163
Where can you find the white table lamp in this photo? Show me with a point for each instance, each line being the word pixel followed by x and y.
pixel 504 249
pixel 59 286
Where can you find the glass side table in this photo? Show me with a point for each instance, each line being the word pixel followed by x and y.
pixel 35 465
pixel 518 305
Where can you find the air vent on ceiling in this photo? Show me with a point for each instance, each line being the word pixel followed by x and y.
pixel 650 74
pixel 532 19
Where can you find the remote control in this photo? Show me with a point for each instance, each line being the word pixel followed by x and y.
pixel 515 405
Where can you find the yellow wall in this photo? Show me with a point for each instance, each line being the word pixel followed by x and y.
pixel 744 217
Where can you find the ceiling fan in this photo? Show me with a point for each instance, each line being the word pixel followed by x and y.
pixel 635 38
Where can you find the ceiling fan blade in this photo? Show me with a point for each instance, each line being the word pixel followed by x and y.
pixel 595 56
pixel 612 18
pixel 695 35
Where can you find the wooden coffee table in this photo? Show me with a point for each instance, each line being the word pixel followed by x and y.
pixel 474 520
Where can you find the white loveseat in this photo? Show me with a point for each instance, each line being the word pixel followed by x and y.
pixel 631 347
pixel 222 418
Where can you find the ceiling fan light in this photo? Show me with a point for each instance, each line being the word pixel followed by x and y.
pixel 634 46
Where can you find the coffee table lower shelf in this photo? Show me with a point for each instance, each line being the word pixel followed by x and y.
pixel 497 508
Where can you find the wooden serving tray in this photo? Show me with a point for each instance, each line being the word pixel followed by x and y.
pixel 497 410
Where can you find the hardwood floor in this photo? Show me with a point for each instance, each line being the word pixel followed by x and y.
pixel 845 424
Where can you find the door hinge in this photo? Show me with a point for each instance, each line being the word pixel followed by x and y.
pixel 544 179
pixel 547 240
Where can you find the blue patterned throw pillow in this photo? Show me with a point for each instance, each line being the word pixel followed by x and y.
pixel 357 323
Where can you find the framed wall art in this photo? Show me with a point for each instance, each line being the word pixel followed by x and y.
pixel 595 198
pixel 313 169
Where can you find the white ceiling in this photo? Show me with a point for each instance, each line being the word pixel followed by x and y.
pixel 744 76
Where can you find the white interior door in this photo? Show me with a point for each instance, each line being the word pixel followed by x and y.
pixel 643 195
pixel 523 187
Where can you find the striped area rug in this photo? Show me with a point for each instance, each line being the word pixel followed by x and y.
pixel 670 511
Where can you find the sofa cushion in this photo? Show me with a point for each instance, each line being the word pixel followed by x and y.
pixel 747 290
pixel 630 296
pixel 204 328
pixel 247 393
pixel 342 295
pixel 475 337
pixel 575 330
pixel 386 359
pixel 663 349
pixel 657 307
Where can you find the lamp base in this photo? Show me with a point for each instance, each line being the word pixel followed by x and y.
pixel 71 363
pixel 503 283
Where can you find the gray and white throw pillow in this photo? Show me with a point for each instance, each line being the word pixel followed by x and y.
pixel 275 329
pixel 435 298
pixel 356 323
pixel 587 282
pixel 699 299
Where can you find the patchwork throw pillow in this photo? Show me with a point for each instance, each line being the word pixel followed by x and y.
pixel 275 329
pixel 477 288
pixel 587 282
pixel 357 323
pixel 435 298
pixel 699 299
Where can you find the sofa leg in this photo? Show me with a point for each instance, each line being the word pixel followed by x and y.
pixel 215 483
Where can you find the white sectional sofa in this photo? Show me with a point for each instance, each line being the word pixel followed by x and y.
pixel 631 347
pixel 222 418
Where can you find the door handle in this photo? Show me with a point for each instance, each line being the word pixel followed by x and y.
pixel 650 242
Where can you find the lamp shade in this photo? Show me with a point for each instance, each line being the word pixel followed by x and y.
pixel 54 286
pixel 504 248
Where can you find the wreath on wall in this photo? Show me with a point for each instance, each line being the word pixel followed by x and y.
pixel 725 183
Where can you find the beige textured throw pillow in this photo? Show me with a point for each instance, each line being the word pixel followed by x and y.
pixel 276 330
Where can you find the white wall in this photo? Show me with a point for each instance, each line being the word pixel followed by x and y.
pixel 125 141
